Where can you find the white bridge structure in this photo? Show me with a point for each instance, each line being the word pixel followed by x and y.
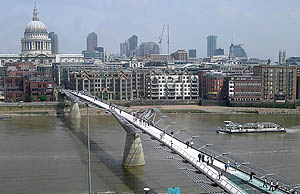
pixel 211 169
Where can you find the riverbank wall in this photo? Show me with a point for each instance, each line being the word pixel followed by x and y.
pixel 43 108
pixel 147 102
pixel 63 109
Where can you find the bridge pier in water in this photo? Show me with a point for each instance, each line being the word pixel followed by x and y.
pixel 75 111
pixel 133 155
pixel 133 151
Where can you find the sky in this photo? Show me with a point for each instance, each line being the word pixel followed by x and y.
pixel 262 26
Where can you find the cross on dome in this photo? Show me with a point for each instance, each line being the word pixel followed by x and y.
pixel 35 13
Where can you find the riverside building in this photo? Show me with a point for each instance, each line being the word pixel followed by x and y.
pixel 278 82
pixel 171 84
pixel 244 88
pixel 112 84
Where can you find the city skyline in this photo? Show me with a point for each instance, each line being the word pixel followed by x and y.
pixel 263 28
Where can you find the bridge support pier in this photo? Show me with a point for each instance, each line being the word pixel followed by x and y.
pixel 133 151
pixel 75 111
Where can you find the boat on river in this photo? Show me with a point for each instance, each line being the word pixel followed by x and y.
pixel 256 127
pixel 5 118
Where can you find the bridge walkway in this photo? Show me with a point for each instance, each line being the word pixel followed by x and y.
pixel 188 153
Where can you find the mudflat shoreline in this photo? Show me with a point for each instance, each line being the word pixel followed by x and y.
pixel 218 109
pixel 55 109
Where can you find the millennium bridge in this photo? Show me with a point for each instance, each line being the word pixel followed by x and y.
pixel 230 173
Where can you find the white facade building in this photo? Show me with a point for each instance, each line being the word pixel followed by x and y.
pixel 172 84
pixel 69 58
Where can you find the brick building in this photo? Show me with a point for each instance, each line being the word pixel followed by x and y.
pixel 211 85
pixel 23 82
pixel 244 88
pixel 278 82
pixel 180 56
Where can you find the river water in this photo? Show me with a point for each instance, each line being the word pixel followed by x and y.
pixel 48 155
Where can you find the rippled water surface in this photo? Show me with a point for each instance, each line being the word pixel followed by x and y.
pixel 48 155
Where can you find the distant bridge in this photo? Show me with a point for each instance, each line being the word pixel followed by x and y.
pixel 234 179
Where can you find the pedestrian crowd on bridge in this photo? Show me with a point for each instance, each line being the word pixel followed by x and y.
pixel 201 156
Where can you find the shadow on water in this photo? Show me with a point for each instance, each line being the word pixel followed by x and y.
pixel 60 107
pixel 127 176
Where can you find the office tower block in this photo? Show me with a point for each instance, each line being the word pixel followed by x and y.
pixel 281 60
pixel 211 45
pixel 192 53
pixel 219 51
pixel 54 42
pixel 92 42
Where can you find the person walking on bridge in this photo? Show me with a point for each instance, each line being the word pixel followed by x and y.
pixel 191 144
pixel 277 185
pixel 161 135
pixel 235 164
pixel 251 176
pixel 271 186
pixel 187 144
pixel 265 183
pixel 228 164
pixel 220 174
pixel 199 156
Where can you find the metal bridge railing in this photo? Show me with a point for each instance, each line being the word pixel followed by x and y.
pixel 227 185
pixel 212 151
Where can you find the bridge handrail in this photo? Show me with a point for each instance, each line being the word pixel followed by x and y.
pixel 186 155
pixel 192 160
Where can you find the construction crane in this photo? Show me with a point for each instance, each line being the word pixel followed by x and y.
pixel 168 40
pixel 161 38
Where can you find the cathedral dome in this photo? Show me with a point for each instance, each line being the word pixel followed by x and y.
pixel 36 40
pixel 36 27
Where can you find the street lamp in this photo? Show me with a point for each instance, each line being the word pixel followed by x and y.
pixel 146 189
pixel 245 163
pixel 206 145
pixel 271 174
pixel 179 131
pixel 89 149
pixel 172 123
pixel 223 154
pixel 191 138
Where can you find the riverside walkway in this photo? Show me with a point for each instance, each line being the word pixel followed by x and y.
pixel 231 180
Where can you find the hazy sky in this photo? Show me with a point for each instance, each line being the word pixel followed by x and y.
pixel 263 26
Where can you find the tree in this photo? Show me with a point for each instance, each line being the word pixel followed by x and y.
pixel 31 98
pixel 105 95
pixel 117 96
pixel 43 98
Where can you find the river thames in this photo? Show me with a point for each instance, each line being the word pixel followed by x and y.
pixel 45 154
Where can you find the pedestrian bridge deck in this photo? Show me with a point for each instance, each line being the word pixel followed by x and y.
pixel 191 155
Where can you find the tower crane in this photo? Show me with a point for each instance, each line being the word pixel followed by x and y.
pixel 168 42
pixel 161 38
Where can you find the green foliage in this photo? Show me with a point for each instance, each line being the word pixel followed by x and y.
pixel 31 98
pixel 43 98
pixel 117 96
pixel 105 95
